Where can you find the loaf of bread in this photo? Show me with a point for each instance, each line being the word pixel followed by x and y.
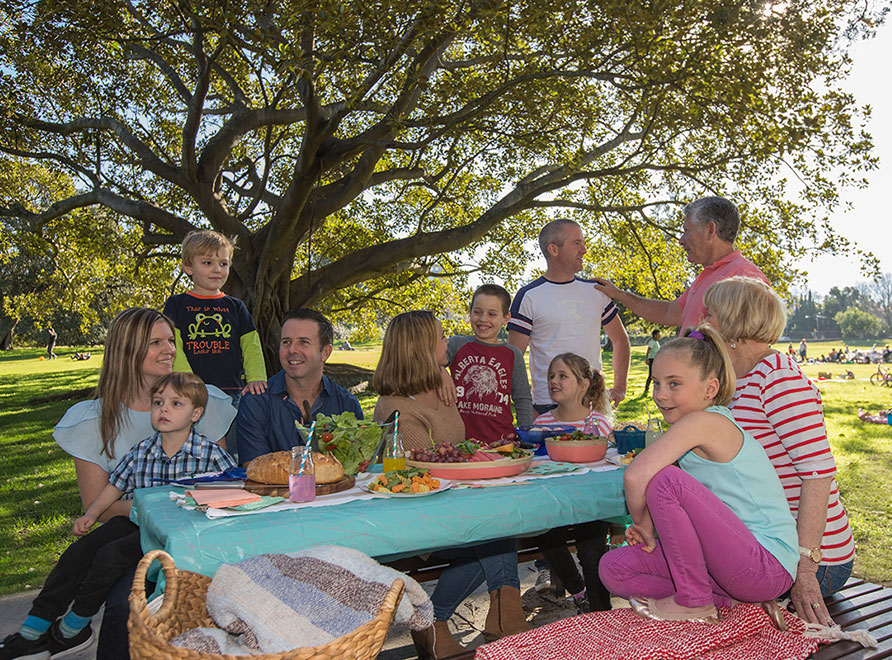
pixel 273 468
pixel 328 468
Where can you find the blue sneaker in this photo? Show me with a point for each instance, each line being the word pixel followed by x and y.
pixel 60 646
pixel 16 647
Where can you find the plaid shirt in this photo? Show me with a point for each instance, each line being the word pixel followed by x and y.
pixel 147 465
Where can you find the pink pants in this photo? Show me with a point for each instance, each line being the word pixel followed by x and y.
pixel 704 554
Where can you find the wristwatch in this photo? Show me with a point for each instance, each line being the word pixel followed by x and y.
pixel 814 554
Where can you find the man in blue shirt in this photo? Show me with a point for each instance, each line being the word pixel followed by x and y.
pixel 266 422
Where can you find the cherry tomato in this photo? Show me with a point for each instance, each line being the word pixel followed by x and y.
pixel 328 436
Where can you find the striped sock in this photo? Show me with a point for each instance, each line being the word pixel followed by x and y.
pixel 72 624
pixel 34 627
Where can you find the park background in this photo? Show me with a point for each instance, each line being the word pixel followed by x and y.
pixel 793 144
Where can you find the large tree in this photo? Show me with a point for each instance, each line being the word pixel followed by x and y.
pixel 73 272
pixel 359 148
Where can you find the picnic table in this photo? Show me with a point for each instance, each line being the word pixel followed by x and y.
pixel 384 528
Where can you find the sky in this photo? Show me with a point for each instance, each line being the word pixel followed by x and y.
pixel 868 221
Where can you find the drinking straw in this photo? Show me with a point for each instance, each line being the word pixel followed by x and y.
pixel 396 423
pixel 306 451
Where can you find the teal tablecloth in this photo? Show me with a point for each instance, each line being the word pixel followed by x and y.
pixel 384 528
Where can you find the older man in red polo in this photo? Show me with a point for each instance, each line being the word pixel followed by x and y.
pixel 709 229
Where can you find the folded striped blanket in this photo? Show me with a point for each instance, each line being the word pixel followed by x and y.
pixel 277 602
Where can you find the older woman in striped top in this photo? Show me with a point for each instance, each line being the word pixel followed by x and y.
pixel 782 409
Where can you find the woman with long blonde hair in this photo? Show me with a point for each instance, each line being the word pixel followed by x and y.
pixel 139 351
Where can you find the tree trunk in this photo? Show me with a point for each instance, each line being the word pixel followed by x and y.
pixel 6 340
pixel 7 327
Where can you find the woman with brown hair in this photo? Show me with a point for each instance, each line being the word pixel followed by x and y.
pixel 407 378
pixel 139 351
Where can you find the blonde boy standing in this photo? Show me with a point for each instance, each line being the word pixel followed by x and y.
pixel 216 337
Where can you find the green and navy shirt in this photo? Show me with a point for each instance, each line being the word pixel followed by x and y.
pixel 216 340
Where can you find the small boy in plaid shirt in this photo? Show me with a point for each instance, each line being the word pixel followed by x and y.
pixel 91 565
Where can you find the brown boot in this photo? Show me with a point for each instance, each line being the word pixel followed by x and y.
pixel 491 629
pixel 506 615
pixel 436 642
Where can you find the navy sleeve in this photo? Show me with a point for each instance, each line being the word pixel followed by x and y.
pixel 354 407
pixel 170 309
pixel 251 423
pixel 245 322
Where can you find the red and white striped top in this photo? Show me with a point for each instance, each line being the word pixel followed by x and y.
pixel 599 421
pixel 782 409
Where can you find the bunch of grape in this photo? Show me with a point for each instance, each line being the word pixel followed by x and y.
pixel 442 452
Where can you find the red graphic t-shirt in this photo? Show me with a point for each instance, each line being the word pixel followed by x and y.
pixel 482 375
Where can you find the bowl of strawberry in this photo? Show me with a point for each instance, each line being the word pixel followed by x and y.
pixel 576 447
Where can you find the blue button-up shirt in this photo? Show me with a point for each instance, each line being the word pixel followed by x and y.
pixel 266 422
pixel 147 465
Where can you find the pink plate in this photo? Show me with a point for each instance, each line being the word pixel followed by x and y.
pixel 576 451
pixel 501 467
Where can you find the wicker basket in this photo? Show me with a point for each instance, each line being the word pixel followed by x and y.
pixel 184 608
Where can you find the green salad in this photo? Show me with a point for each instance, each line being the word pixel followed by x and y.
pixel 353 442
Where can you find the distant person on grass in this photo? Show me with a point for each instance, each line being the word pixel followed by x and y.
pixel 139 351
pixel 51 344
pixel 90 566
pixel 653 347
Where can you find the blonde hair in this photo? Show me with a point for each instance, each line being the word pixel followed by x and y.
pixel 596 394
pixel 120 377
pixel 206 242
pixel 711 355
pixel 408 363
pixel 185 384
pixel 746 308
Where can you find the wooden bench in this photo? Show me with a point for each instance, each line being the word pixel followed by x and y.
pixel 430 568
pixel 860 605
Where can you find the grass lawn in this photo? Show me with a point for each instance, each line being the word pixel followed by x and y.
pixel 39 498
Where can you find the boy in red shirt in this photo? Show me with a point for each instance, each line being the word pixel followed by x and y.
pixel 488 373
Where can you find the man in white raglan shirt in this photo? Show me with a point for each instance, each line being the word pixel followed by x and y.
pixel 559 313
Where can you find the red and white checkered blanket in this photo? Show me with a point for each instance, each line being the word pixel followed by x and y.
pixel 744 633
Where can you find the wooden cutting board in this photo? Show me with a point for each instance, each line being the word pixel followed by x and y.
pixel 281 490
